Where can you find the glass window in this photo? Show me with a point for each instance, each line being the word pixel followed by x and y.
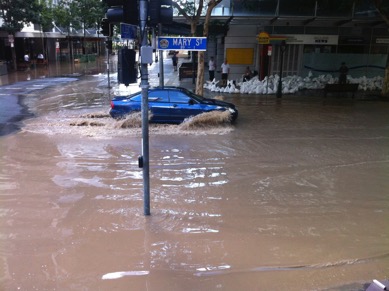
pixel 365 8
pixel 319 49
pixel 159 95
pixel 254 7
pixel 178 97
pixel 136 97
pixel 288 30
pixel 334 8
pixel 322 30
pixel 381 31
pixel 353 49
pixel 379 49
pixel 297 7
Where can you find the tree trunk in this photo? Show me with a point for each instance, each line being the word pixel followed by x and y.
pixel 200 66
pixel 83 42
pixel 200 74
pixel 193 23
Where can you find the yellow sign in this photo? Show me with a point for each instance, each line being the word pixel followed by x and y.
pixel 240 56
pixel 263 38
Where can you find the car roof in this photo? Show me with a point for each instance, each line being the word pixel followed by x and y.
pixel 169 87
pixel 182 89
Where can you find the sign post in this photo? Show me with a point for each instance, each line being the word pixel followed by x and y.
pixel 145 111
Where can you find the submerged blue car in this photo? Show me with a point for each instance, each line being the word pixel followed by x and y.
pixel 169 105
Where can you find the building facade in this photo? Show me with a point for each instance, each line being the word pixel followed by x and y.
pixel 59 44
pixel 317 36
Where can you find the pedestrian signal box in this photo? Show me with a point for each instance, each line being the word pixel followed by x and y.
pixel 127 66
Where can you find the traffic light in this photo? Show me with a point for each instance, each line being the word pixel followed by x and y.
pixel 160 11
pixel 122 11
pixel 106 28
pixel 127 66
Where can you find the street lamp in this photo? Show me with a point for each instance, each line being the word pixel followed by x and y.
pixel 282 50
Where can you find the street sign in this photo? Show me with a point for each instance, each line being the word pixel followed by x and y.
pixel 182 43
pixel 128 31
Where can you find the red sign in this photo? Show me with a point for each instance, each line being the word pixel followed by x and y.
pixel 269 50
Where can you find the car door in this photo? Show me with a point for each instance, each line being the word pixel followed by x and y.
pixel 183 105
pixel 159 105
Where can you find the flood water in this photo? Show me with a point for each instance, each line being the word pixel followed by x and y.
pixel 294 196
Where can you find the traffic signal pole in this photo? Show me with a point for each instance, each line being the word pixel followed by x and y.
pixel 128 12
pixel 145 110
pixel 161 68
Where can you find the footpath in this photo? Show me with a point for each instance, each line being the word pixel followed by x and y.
pixel 170 77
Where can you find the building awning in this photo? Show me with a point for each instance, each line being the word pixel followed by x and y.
pixel 52 35
pixel 29 34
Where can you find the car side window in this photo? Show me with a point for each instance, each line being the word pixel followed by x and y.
pixel 178 97
pixel 159 95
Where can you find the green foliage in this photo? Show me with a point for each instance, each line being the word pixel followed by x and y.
pixel 189 7
pixel 65 14
pixel 46 17
pixel 88 12
pixel 77 13
pixel 17 13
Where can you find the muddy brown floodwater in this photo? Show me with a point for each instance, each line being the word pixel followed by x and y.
pixel 294 196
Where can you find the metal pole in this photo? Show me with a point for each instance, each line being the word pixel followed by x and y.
pixel 145 113
pixel 279 89
pixel 194 54
pixel 107 54
pixel 161 70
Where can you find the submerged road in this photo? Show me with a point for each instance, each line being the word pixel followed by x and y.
pixel 294 196
pixel 13 109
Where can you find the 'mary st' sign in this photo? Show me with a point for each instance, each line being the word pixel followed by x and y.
pixel 182 43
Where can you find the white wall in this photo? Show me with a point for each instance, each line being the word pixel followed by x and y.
pixel 241 36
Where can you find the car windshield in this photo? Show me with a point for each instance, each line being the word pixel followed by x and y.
pixel 136 96
pixel 193 95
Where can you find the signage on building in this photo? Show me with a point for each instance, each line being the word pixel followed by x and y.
pixel 353 40
pixel 382 40
pixel 312 39
pixel 182 43
pixel 263 38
